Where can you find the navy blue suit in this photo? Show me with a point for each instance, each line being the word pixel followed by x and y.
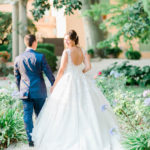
pixel 28 71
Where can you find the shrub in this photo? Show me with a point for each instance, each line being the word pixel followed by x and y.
pixel 132 107
pixel 4 70
pixel 12 127
pixel 50 57
pixel 91 52
pixel 4 47
pixel 5 55
pixel 133 55
pixel 134 74
pixel 11 118
pixel 110 52
pixel 47 46
pixel 137 140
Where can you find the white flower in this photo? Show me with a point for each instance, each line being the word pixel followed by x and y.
pixel 15 94
pixel 147 102
pixel 115 74
pixel 13 86
pixel 113 131
pixel 104 107
pixel 146 92
pixel 3 91
pixel 112 72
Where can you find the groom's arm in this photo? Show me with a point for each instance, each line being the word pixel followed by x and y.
pixel 17 74
pixel 47 70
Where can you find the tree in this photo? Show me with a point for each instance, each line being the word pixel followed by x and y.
pixel 128 16
pixel 40 6
pixel 5 21
pixel 93 34
pixel 146 4
pixel 6 27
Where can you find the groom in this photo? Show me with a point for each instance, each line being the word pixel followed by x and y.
pixel 28 71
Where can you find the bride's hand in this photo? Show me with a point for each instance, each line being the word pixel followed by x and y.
pixel 51 90
pixel 83 71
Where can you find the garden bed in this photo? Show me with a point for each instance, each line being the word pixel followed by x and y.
pixel 131 105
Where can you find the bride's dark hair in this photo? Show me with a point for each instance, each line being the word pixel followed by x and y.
pixel 73 36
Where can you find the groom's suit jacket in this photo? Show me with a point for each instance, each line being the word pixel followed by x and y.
pixel 28 71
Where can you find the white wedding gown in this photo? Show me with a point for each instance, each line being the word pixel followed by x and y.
pixel 76 116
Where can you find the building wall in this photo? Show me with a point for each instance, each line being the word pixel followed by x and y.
pixel 54 25
pixel 46 26
pixel 76 22
pixel 5 8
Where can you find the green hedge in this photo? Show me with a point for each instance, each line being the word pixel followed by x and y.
pixel 4 48
pixel 50 47
pixel 50 57
pixel 135 75
pixel 133 55
pixel 110 52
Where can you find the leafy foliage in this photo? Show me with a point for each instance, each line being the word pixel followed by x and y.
pixel 48 46
pixel 6 27
pixel 147 6
pixel 90 52
pixel 107 52
pixel 5 21
pixel 129 17
pixel 42 5
pixel 134 74
pixel 50 57
pixel 133 55
pixel 4 70
pixel 6 31
pixel 131 106
pixel 11 118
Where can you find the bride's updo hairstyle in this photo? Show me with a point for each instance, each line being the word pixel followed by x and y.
pixel 73 36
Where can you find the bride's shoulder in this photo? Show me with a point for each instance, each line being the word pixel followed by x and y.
pixel 65 50
pixel 83 50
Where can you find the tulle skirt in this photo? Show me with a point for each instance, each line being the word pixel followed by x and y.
pixel 76 116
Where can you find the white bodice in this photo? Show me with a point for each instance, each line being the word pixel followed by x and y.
pixel 71 67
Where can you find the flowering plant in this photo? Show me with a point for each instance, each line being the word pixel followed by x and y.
pixel 11 113
pixel 5 55
pixel 131 106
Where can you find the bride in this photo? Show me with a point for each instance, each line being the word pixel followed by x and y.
pixel 76 116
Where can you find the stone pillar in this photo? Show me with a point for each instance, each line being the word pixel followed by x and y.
pixel 15 38
pixel 22 24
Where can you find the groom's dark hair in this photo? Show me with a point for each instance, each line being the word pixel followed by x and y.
pixel 29 39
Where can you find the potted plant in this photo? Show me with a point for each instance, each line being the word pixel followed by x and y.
pixel 132 54
pixel 108 52
pixel 91 53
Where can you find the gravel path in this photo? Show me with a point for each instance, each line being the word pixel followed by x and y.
pixel 97 65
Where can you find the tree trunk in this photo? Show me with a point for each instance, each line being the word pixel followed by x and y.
pixel 92 31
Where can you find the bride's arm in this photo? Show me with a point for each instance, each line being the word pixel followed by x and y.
pixel 87 63
pixel 63 65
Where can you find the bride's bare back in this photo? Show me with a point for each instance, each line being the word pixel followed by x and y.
pixel 76 55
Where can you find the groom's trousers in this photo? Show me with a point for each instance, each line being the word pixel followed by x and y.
pixel 28 106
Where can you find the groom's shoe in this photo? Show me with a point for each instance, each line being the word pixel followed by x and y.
pixel 31 144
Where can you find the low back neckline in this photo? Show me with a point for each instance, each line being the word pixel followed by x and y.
pixel 69 53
